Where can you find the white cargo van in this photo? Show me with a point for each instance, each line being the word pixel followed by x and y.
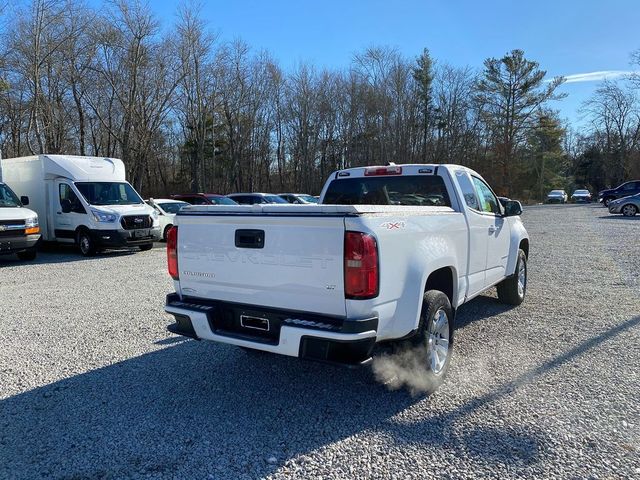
pixel 83 200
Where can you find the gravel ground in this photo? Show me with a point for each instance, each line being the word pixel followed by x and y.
pixel 92 386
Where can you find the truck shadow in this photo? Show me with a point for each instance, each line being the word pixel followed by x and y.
pixel 196 408
pixel 480 308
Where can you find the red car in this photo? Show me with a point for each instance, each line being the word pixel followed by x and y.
pixel 204 199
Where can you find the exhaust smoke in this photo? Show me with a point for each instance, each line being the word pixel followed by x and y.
pixel 406 368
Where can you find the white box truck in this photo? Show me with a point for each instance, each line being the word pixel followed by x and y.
pixel 83 200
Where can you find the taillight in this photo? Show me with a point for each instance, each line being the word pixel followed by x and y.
pixel 360 266
pixel 172 252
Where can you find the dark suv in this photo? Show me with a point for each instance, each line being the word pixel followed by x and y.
pixel 624 190
pixel 204 199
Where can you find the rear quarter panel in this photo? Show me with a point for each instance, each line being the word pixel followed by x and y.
pixel 410 247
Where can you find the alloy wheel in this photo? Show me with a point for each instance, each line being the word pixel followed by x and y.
pixel 438 342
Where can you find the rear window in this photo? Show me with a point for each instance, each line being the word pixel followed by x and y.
pixel 388 190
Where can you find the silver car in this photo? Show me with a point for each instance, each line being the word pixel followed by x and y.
pixel 627 206
pixel 557 196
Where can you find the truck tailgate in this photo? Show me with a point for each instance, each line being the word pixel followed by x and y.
pixel 288 257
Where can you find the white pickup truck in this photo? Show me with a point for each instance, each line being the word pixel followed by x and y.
pixel 389 254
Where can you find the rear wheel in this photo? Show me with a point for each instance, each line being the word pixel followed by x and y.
pixel 513 289
pixel 85 243
pixel 27 255
pixel 629 210
pixel 425 357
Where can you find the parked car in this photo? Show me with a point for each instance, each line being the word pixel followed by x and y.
pixel 203 199
pixel 167 209
pixel 557 196
pixel 628 206
pixel 327 282
pixel 299 198
pixel 256 198
pixel 624 190
pixel 19 227
pixel 84 201
pixel 581 196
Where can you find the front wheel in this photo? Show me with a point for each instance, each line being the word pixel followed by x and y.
pixel 629 210
pixel 513 289
pixel 607 201
pixel 86 244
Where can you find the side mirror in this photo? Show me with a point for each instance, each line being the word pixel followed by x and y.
pixel 24 200
pixel 512 208
pixel 66 205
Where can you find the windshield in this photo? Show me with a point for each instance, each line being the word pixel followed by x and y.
pixel 108 193
pixel 308 198
pixel 216 200
pixel 582 192
pixel 8 198
pixel 274 199
pixel 386 190
pixel 172 207
pixel 557 192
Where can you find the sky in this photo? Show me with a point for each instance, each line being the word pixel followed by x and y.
pixel 567 37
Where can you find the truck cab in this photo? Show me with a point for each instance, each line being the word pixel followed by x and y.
pixel 19 228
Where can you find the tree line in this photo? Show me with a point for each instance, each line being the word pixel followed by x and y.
pixel 187 111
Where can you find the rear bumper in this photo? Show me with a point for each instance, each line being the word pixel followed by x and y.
pixel 19 243
pixel 296 334
pixel 123 238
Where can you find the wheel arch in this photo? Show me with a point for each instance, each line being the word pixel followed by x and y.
pixel 524 246
pixel 443 279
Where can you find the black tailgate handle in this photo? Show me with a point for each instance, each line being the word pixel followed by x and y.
pixel 250 238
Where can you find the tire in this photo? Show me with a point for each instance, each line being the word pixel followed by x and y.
pixel 431 347
pixel 513 289
pixel 607 200
pixel 165 232
pixel 27 255
pixel 85 243
pixel 629 210
pixel 146 246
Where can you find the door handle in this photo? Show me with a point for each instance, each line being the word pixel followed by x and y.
pixel 59 213
pixel 492 229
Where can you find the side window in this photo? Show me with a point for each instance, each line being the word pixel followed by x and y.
pixel 67 195
pixel 488 200
pixel 468 191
